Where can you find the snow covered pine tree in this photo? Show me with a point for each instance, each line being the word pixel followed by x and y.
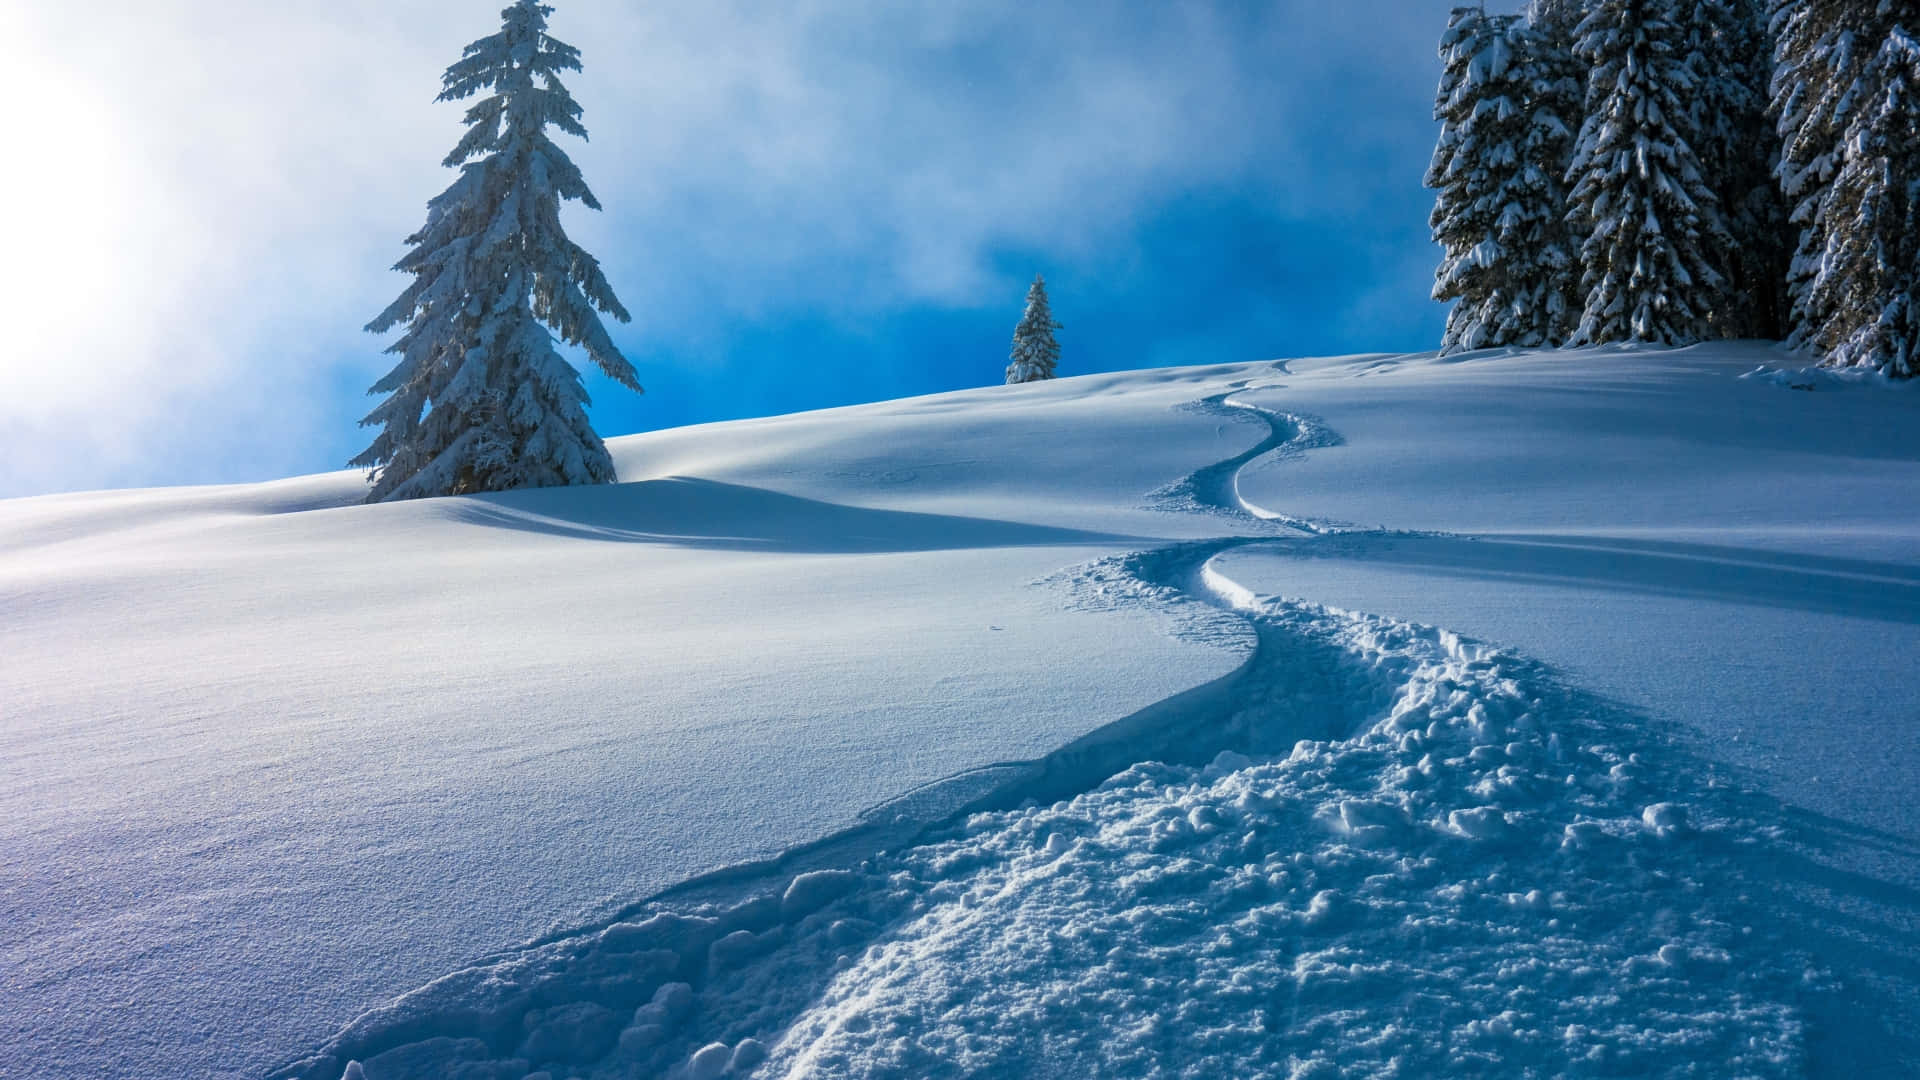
pixel 480 401
pixel 1727 48
pixel 1653 226
pixel 1500 212
pixel 1556 83
pixel 1034 351
pixel 1846 90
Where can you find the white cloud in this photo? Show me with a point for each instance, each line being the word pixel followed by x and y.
pixel 221 184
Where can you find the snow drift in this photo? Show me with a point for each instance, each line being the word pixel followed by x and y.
pixel 962 735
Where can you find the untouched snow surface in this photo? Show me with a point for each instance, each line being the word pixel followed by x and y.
pixel 1007 732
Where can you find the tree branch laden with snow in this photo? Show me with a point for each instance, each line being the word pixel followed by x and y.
pixel 480 399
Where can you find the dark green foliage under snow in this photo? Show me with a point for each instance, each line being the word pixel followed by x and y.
pixel 1499 213
pixel 1741 171
pixel 480 400
pixel 1035 354
pixel 1654 227
pixel 1557 80
pixel 1846 90
pixel 1733 139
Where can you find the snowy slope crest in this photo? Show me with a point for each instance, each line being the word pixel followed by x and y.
pixel 1458 865
pixel 1826 378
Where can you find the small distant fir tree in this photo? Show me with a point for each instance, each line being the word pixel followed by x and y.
pixel 1035 353
pixel 1846 91
pixel 1654 229
pixel 480 400
pixel 1499 215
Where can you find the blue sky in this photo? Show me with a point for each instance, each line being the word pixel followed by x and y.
pixel 806 205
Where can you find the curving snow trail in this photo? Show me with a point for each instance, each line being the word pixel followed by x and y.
pixel 1373 849
pixel 1215 488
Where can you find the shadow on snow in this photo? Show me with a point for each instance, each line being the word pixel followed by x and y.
pixel 691 512
pixel 1886 592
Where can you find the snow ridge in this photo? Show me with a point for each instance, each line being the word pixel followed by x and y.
pixel 1374 848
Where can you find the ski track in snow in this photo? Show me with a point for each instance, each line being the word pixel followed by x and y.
pixel 1374 849
pixel 1215 488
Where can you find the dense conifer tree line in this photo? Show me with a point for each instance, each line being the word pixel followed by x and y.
pixel 1846 95
pixel 1498 168
pixel 1741 168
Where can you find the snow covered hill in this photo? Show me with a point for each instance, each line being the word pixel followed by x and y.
pixel 1519 714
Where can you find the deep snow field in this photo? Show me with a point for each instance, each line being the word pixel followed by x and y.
pixel 1507 714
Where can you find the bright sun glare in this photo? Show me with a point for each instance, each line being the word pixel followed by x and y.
pixel 72 196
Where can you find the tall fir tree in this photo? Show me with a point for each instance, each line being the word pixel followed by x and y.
pixel 1556 81
pixel 1872 284
pixel 1813 47
pixel 1654 228
pixel 1728 50
pixel 1499 215
pixel 1035 354
pixel 480 400
pixel 1846 93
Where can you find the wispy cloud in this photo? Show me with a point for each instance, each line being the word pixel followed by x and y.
pixel 222 184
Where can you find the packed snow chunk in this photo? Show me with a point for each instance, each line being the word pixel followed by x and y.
pixel 1368 819
pixel 670 1005
pixel 1226 762
pixel 443 1056
pixel 811 891
pixel 1482 823
pixel 1501 1026
pixel 666 930
pixel 657 1020
pixel 742 945
pixel 845 932
pixel 1665 818
pixel 1326 910
pixel 755 913
pixel 576 1032
pixel 709 1062
pixel 747 1056
pixel 1582 835
pixel 1531 900
pixel 1316 1068
pixel 638 1040
pixel 1203 819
